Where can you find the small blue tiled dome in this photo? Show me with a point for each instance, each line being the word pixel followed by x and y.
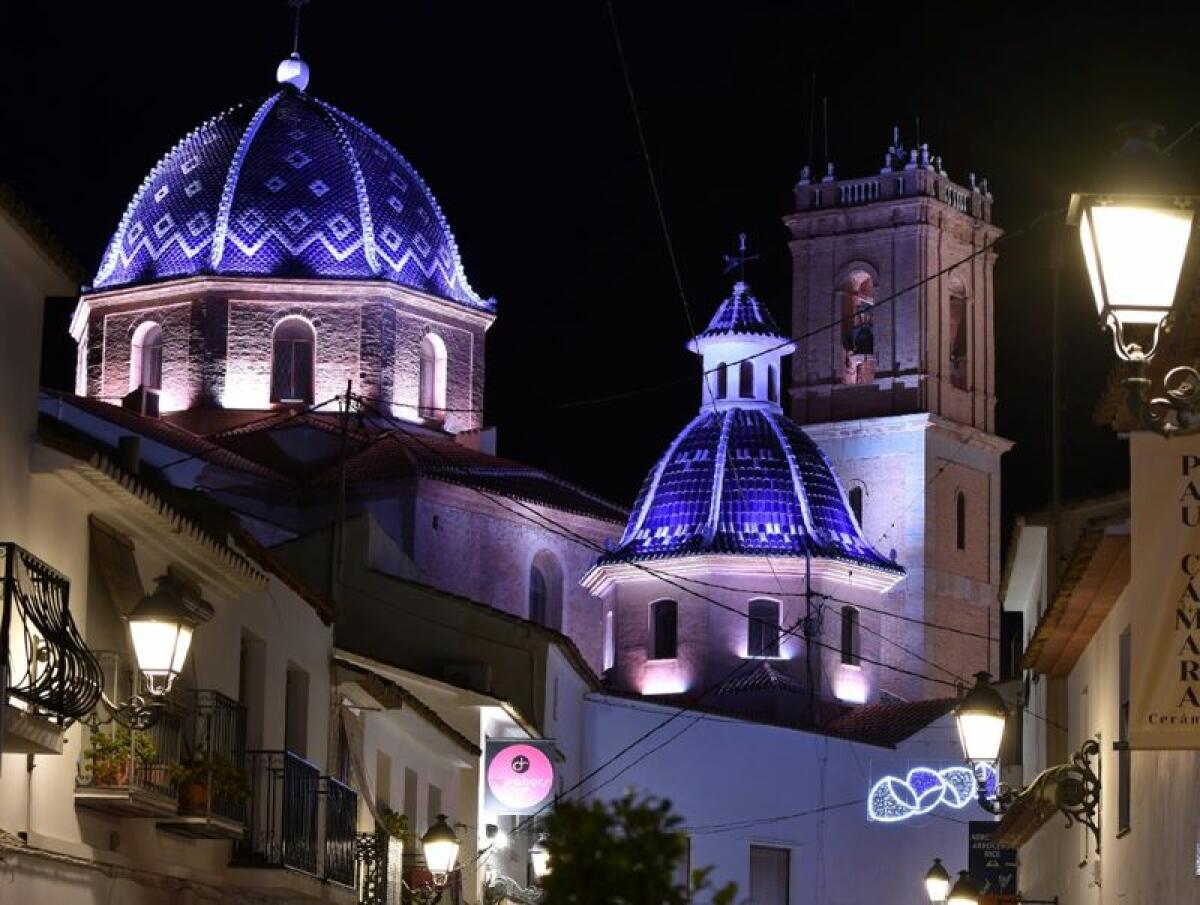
pixel 744 481
pixel 289 187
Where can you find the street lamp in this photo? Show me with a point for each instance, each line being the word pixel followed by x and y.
pixel 161 628
pixel 1072 788
pixel 539 859
pixel 964 892
pixel 1134 227
pixel 981 715
pixel 937 883
pixel 441 850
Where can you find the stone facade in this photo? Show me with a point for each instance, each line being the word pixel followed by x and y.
pixel 918 434
pixel 217 343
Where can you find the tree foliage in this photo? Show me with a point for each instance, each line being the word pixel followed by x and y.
pixel 626 852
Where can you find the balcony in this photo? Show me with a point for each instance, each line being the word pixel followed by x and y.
pixel 186 769
pixel 298 820
pixel 48 676
pixel 126 772
pixel 380 859
pixel 212 786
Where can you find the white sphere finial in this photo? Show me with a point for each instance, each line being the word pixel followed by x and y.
pixel 293 71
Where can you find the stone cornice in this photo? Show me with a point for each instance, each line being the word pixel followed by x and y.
pixel 895 424
pixel 274 289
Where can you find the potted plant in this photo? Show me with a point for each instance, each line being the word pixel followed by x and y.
pixel 205 774
pixel 396 824
pixel 110 755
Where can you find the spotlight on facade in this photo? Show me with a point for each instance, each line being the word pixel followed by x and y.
pixel 161 627
pixel 981 716
pixel 441 850
pixel 965 892
pixel 539 859
pixel 937 883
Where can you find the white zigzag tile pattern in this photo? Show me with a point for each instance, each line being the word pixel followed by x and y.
pixel 292 187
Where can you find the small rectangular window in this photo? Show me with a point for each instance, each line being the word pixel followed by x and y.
pixel 763 629
pixel 610 641
pixel 383 780
pixel 295 712
pixel 410 799
pixel 433 803
pixel 850 637
pixel 663 615
pixel 770 875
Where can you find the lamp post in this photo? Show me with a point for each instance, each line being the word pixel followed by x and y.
pixel 1072 788
pixel 937 883
pixel 1134 228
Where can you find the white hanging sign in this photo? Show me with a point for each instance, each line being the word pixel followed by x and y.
pixel 1165 591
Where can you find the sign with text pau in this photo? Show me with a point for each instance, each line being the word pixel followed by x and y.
pixel 1165 592
pixel 518 775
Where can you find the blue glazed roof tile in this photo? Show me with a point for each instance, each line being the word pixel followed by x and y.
pixel 742 313
pixel 289 187
pixel 744 481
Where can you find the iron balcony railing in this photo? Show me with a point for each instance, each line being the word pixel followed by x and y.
pixel 216 755
pixel 46 667
pixel 340 824
pixel 282 817
pixel 380 869
pixel 115 759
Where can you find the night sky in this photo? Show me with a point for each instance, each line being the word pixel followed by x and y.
pixel 517 116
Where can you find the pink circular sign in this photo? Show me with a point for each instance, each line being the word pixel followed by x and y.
pixel 520 776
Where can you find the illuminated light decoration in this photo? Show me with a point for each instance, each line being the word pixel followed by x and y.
pixel 290 187
pixel 893 799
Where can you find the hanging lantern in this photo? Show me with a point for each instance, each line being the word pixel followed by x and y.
pixel 161 629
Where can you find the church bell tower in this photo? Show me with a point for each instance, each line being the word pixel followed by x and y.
pixel 895 380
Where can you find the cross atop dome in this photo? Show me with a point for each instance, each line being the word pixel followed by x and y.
pixel 742 347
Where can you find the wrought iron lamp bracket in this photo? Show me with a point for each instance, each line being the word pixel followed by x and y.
pixel 1073 789
pixel 1175 411
pixel 501 887
pixel 138 713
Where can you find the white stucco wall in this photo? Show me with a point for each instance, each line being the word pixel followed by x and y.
pixel 718 771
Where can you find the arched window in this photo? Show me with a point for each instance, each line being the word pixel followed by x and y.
pixel 857 292
pixel 851 653
pixel 856 503
pixel 772 384
pixel 746 380
pixel 292 356
pixel 763 638
pixel 960 520
pixel 610 641
pixel 722 381
pixel 537 596
pixel 546 590
pixel 664 615
pixel 960 358
pixel 433 377
pixel 145 358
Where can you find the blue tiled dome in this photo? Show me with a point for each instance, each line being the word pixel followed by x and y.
pixel 290 187
pixel 744 481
